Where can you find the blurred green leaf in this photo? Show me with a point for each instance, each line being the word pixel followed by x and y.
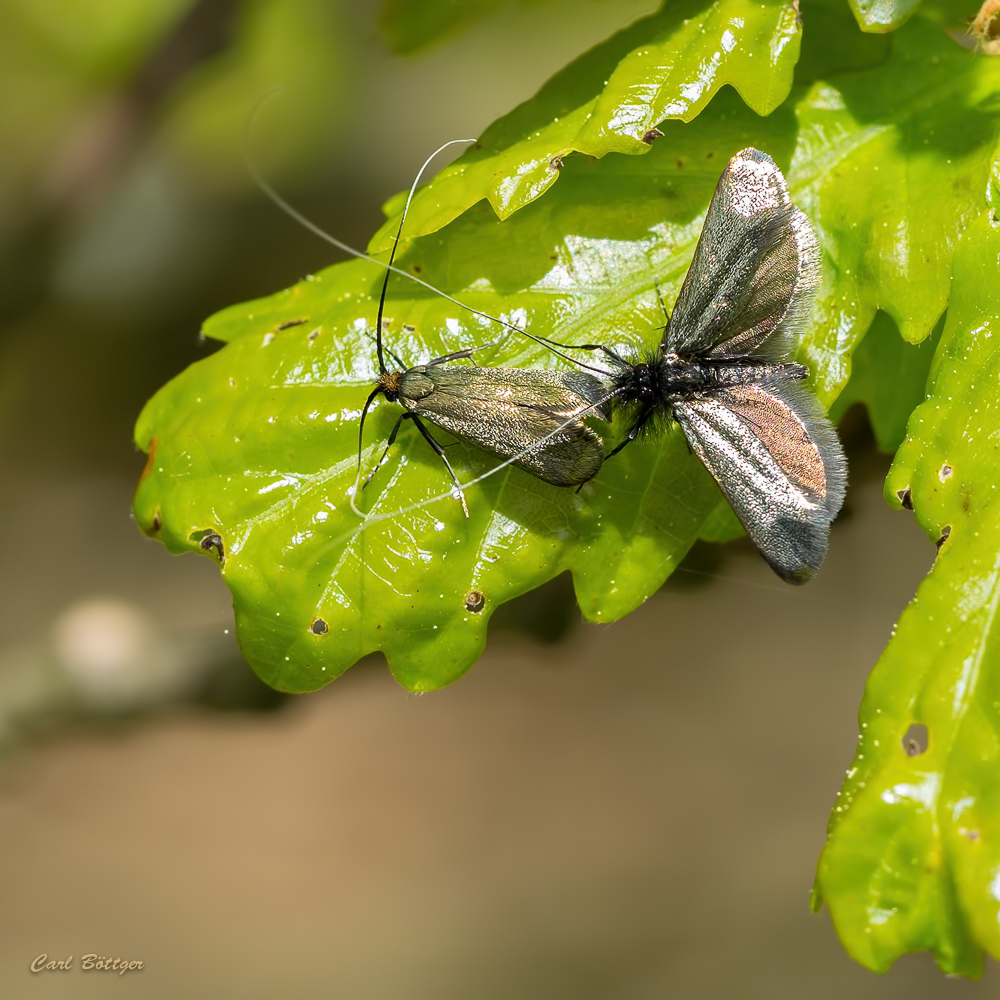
pixel 98 41
pixel 295 46
pixel 666 66
pixel 411 25
pixel 84 82
pixel 914 843
pixel 57 59
pixel 890 377
pixel 258 442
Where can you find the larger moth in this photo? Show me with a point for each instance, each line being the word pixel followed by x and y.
pixel 723 372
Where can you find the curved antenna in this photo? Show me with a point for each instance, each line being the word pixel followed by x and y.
pixel 395 243
pixel 289 209
pixel 361 431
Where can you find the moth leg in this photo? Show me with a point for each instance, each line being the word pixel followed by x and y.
pixel 663 305
pixel 392 440
pixel 467 352
pixel 392 354
pixel 439 449
pixel 580 347
pixel 634 431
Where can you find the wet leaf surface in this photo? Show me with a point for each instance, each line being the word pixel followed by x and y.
pixel 665 66
pixel 913 855
pixel 257 444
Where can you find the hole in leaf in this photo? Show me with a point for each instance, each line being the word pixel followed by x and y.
pixel 157 521
pixel 906 498
pixel 319 627
pixel 945 532
pixel 555 163
pixel 945 474
pixel 651 135
pixel 210 540
pixel 475 601
pixel 915 740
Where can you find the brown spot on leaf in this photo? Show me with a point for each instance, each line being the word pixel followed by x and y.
pixel 475 601
pixel 210 540
pixel 290 322
pixel 651 135
pixel 148 467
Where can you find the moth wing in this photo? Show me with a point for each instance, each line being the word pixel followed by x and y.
pixel 756 265
pixel 511 411
pixel 780 465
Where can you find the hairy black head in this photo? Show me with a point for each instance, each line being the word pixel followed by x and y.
pixel 638 382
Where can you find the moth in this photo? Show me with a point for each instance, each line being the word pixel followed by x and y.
pixel 722 370
pixel 532 417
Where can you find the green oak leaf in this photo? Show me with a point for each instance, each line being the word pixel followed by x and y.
pixel 913 852
pixel 253 450
pixel 893 162
pixel 832 42
pixel 665 66
pixel 883 15
pixel 890 377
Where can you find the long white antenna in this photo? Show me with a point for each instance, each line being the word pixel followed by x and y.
pixel 340 245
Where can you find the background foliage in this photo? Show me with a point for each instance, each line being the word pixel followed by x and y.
pixel 890 146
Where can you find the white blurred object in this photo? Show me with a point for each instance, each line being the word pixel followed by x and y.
pixel 115 657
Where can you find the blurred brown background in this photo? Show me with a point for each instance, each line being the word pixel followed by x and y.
pixel 631 811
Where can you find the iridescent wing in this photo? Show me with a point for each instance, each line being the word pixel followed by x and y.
pixel 756 265
pixel 778 462
pixel 537 415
